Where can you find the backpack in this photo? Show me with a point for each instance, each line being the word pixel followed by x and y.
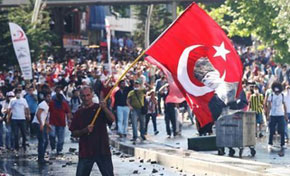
pixel 282 97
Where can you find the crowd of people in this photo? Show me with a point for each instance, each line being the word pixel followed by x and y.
pixel 44 106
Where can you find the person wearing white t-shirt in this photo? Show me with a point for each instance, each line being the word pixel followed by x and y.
pixel 287 103
pixel 18 112
pixel 276 113
pixel 40 126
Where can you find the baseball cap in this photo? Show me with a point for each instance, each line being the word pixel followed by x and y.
pixel 10 94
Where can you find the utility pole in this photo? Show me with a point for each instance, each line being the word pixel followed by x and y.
pixel 147 26
pixel 174 10
pixel 35 11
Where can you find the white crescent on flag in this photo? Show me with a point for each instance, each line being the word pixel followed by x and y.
pixel 183 77
pixel 21 48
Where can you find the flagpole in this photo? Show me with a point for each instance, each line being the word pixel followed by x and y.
pixel 116 84
pixel 135 61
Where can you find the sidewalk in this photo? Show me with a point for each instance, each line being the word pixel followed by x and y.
pixel 173 153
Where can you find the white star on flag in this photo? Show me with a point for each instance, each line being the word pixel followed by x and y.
pixel 221 51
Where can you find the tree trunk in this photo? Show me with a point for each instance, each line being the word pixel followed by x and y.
pixel 58 16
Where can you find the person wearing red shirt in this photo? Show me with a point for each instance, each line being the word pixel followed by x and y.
pixel 59 110
pixel 94 139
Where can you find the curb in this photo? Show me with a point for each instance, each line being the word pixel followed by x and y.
pixel 194 162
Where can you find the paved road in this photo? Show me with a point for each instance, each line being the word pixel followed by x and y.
pixel 66 165
pixel 189 131
pixel 124 164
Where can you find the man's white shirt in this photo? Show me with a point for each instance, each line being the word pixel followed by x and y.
pixel 44 106
pixel 17 107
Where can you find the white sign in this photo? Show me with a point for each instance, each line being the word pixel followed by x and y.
pixel 21 48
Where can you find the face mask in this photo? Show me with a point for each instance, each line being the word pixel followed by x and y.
pixel 256 91
pixel 18 95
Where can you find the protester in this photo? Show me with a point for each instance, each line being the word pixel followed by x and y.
pixel 41 126
pixel 1 122
pixel 9 142
pixel 18 113
pixel 49 72
pixel 152 111
pixel 287 103
pixel 256 105
pixel 58 110
pixel 94 141
pixel 159 83
pixel 170 114
pixel 135 101
pixel 277 113
pixel 32 101
pixel 122 108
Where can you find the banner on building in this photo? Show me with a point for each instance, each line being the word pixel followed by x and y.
pixel 21 48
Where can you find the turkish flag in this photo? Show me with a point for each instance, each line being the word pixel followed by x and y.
pixel 202 61
pixel 175 95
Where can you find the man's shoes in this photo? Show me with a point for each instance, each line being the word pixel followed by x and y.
pixel 42 161
pixel 156 132
pixel 59 153
pixel 270 147
pixel 260 135
pixel 120 135
pixel 143 138
pixel 133 139
pixel 168 136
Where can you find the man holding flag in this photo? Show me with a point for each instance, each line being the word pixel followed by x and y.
pixel 203 63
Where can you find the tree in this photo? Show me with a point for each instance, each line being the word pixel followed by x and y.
pixel 39 37
pixel 265 20
pixel 160 20
pixel 6 48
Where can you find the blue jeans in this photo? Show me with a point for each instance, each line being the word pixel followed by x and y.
pixel 104 163
pixel 123 115
pixel 138 116
pixel 16 126
pixel 170 118
pixel 9 140
pixel 286 126
pixel 1 133
pixel 153 116
pixel 56 132
pixel 280 120
pixel 42 140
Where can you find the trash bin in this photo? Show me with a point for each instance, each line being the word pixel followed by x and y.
pixel 236 130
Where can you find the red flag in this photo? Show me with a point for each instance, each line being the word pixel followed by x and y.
pixel 175 95
pixel 202 61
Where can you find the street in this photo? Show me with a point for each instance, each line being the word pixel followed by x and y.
pixel 123 163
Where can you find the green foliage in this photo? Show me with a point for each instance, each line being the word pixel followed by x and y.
pixel 122 10
pixel 160 20
pixel 39 37
pixel 6 48
pixel 266 20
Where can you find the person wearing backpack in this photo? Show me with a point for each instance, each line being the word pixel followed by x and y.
pixel 276 113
